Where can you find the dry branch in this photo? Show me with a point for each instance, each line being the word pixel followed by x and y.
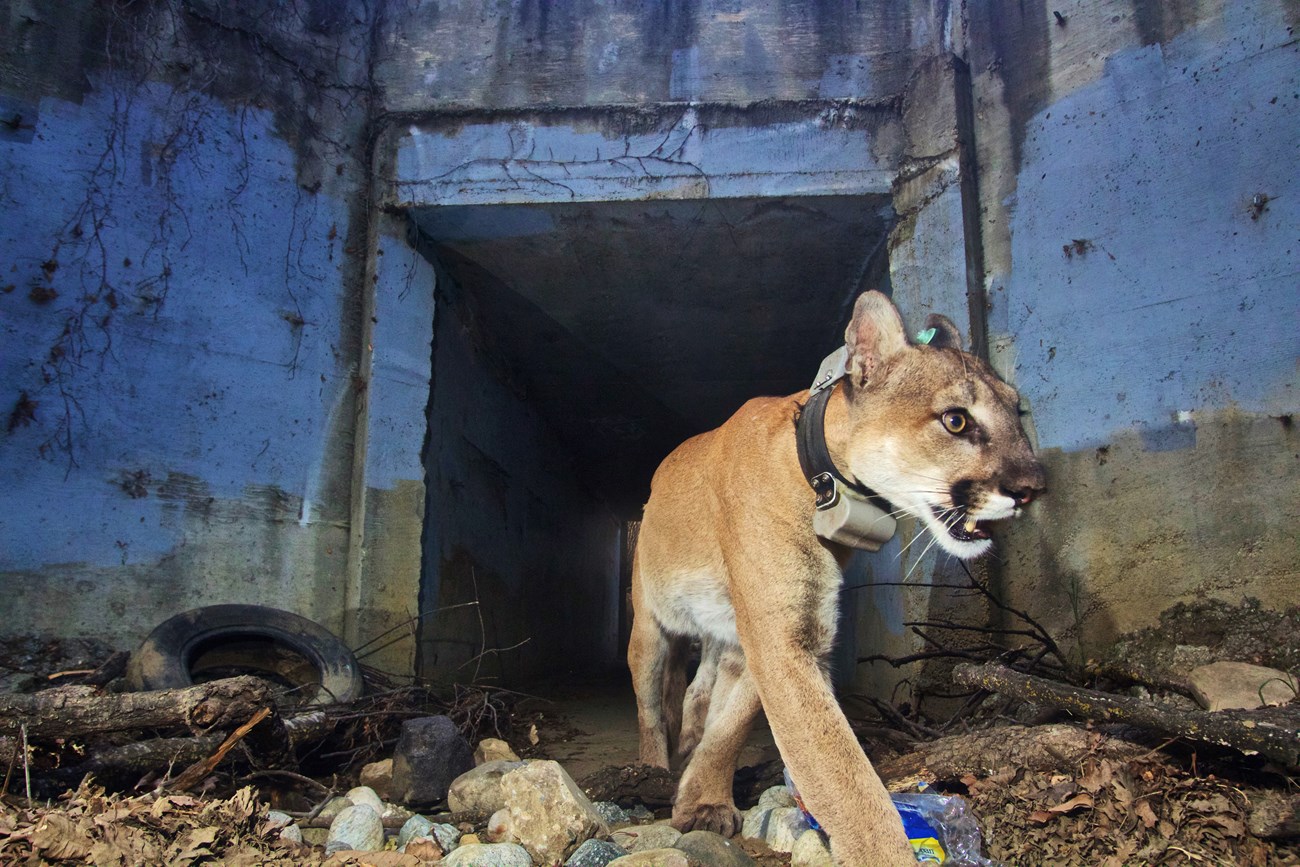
pixel 1278 742
pixel 195 773
pixel 69 712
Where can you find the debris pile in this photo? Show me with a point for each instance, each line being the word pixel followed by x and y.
pixel 1125 764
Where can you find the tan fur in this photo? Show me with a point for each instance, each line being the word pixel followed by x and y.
pixel 727 554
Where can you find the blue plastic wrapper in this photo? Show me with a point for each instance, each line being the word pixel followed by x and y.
pixel 940 827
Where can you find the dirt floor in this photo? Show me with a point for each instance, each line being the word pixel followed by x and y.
pixel 593 726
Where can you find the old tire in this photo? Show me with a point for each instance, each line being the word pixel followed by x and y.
pixel 309 663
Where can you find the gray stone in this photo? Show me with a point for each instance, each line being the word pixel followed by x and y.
pixel 394 813
pixel 448 836
pixel 642 838
pixel 653 858
pixel 811 850
pixel 777 796
pixel 713 850
pixel 595 853
pixel 416 826
pixel 488 855
pixel 366 795
pixel 640 813
pixel 755 823
pixel 315 836
pixel 549 814
pixel 292 833
pixel 612 813
pixel 357 827
pixel 1230 685
pixel 278 819
pixel 784 827
pixel 479 789
pixel 430 754
pixel 332 808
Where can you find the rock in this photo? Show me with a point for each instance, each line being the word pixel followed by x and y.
pixel 639 813
pixel 333 807
pixel 468 840
pixel 1274 816
pixel 1228 685
pixel 612 813
pixel 430 754
pixel 292 833
pixel 493 750
pixel 366 795
pixel 549 814
pixel 356 827
pixel 416 826
pixel 315 836
pixel 653 858
pixel 394 813
pixel 424 848
pixel 278 819
pixel 479 790
pixel 498 828
pixel 713 850
pixel 378 776
pixel 784 826
pixel 755 823
pixel 595 853
pixel 353 858
pixel 488 855
pixel 777 796
pixel 643 838
pixel 448 836
pixel 811 850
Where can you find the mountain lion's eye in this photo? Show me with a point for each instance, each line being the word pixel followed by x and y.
pixel 955 421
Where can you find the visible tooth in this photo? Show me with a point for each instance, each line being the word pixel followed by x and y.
pixel 970 524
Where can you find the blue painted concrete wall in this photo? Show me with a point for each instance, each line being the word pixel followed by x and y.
pixel 179 313
pixel 1140 210
pixel 1140 259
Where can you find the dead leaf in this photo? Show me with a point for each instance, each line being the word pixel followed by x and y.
pixel 58 838
pixel 1146 814
pixel 532 735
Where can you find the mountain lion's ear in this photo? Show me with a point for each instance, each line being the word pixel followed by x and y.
pixel 874 334
pixel 946 335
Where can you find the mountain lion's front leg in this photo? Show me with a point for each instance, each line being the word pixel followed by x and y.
pixel 782 614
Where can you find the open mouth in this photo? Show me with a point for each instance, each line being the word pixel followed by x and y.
pixel 967 529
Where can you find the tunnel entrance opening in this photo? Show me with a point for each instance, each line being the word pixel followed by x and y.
pixel 575 346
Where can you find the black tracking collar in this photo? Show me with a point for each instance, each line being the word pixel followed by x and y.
pixel 815 459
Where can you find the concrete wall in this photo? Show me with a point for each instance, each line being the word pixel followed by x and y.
pixel 183 256
pixel 529 555
pixel 1144 303
pixel 470 55
pixel 216 344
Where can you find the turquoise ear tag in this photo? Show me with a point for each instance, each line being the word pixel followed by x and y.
pixel 924 337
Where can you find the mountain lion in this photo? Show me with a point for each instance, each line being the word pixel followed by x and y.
pixel 728 554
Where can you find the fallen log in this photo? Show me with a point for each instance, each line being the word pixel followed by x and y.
pixel 1058 747
pixel 1271 739
pixel 69 712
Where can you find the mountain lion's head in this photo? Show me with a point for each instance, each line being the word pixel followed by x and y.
pixel 933 429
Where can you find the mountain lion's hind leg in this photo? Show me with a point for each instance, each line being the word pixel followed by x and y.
pixel 650 652
pixel 704 800
pixel 698 700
